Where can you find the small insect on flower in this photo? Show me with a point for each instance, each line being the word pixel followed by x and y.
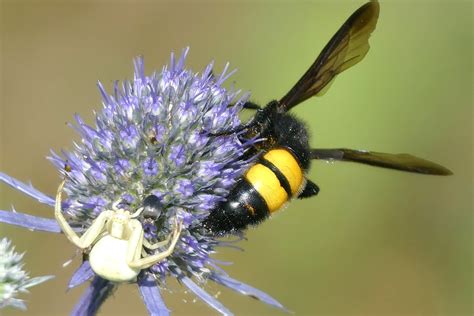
pixel 285 154
pixel 13 279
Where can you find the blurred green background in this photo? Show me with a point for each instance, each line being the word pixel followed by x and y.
pixel 374 242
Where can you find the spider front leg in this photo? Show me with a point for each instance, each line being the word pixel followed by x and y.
pixel 90 235
pixel 157 245
pixel 136 243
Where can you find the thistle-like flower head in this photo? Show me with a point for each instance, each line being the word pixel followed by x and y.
pixel 152 139
pixel 155 142
pixel 13 279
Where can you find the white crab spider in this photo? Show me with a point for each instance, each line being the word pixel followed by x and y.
pixel 117 242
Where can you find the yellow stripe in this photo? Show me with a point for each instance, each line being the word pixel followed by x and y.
pixel 288 166
pixel 267 185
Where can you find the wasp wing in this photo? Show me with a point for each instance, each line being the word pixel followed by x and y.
pixel 403 162
pixel 346 48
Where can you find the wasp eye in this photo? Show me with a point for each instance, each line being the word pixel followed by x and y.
pixel 152 207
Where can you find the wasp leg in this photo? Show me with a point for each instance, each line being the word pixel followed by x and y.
pixel 251 106
pixel 238 129
pixel 310 189
pixel 90 235
pixel 135 247
pixel 248 105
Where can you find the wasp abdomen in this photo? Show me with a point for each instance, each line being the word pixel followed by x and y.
pixel 265 188
pixel 244 206
pixel 289 167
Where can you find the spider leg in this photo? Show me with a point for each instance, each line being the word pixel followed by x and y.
pixel 136 242
pixel 157 245
pixel 90 235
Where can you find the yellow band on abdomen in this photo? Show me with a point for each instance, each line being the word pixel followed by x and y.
pixel 267 185
pixel 288 166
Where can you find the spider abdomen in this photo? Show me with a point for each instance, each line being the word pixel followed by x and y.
pixel 108 260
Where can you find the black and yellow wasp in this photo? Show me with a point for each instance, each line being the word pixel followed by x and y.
pixel 285 154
